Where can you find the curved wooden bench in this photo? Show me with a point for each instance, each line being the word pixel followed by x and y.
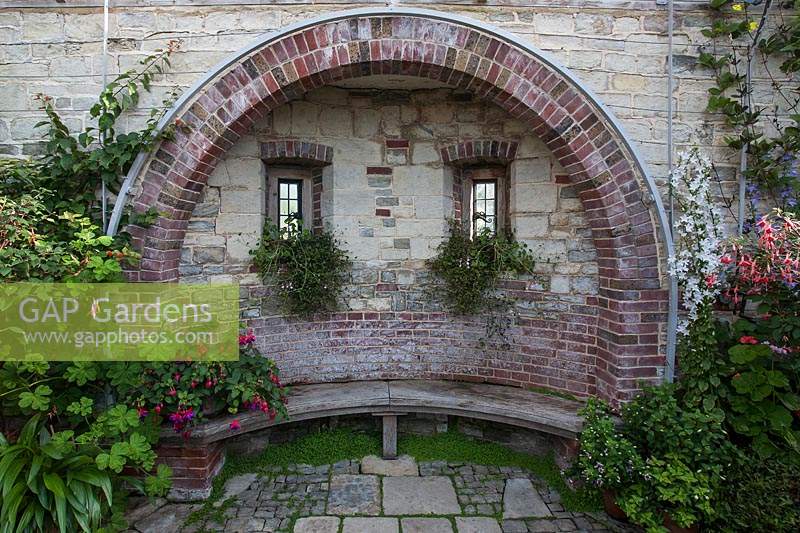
pixel 390 399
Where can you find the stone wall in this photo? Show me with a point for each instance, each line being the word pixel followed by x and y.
pixel 616 47
pixel 387 196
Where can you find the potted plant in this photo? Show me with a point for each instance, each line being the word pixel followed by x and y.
pixel 669 495
pixel 607 459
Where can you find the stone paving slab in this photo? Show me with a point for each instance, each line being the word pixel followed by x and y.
pixel 408 495
pixel 317 524
pixel 402 466
pixel 521 500
pixel 477 524
pixel 370 525
pixel 235 486
pixel 354 495
pixel 426 525
pixel 285 495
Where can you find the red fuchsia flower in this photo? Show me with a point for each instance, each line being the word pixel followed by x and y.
pixel 193 384
pixel 142 412
pixel 172 392
pixel 235 425
pixel 177 376
pixel 181 418
pixel 748 339
pixel 157 409
pixel 208 384
pixel 247 338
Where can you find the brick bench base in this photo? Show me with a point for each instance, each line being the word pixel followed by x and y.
pixel 194 466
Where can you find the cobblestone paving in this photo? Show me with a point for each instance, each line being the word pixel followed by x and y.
pixel 280 496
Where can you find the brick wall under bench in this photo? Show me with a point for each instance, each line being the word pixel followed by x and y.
pixel 194 467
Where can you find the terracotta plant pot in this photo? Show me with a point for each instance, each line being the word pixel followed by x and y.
pixel 610 505
pixel 675 528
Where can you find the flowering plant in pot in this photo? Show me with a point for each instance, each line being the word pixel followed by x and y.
pixel 607 459
pixel 183 393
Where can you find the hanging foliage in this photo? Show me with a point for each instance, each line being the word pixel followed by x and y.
pixel 470 268
pixel 309 269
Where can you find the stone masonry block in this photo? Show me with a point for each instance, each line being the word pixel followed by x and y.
pixel 235 223
pixel 245 202
pixel 418 180
pixel 535 198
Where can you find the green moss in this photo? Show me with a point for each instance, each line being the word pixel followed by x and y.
pixel 549 392
pixel 332 446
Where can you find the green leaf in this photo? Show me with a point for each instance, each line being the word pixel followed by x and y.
pixel 779 418
pixel 744 353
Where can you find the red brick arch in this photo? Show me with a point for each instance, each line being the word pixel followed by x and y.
pixel 632 301
pixel 479 150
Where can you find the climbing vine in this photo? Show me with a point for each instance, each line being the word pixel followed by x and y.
pixel 758 38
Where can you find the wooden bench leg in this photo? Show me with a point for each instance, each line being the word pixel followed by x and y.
pixel 389 436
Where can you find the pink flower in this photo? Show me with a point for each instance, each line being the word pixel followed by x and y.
pixel 248 338
pixel 235 425
pixel 747 339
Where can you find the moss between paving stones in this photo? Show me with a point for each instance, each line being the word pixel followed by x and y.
pixel 332 446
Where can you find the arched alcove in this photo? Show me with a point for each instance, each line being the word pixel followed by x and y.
pixel 630 308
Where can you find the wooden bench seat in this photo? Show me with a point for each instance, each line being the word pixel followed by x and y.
pixel 196 461
pixel 497 403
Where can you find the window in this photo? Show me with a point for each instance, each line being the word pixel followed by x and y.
pixel 289 195
pixel 484 206
pixel 484 197
pixel 290 202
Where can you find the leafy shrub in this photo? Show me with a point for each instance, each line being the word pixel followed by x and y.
pixel 669 485
pixel 183 393
pixel 761 495
pixel 37 245
pixel 761 368
pixel 666 458
pixel 606 459
pixel 55 479
pixel 309 268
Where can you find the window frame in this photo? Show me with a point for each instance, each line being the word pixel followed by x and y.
pixel 472 175
pixel 277 174
pixel 494 200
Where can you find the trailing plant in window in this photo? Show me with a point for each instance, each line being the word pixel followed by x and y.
pixel 309 269
pixel 471 267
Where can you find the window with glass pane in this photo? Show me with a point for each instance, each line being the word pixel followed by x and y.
pixel 484 206
pixel 290 202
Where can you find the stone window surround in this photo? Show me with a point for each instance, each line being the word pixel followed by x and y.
pixel 471 174
pixel 477 159
pixel 302 160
